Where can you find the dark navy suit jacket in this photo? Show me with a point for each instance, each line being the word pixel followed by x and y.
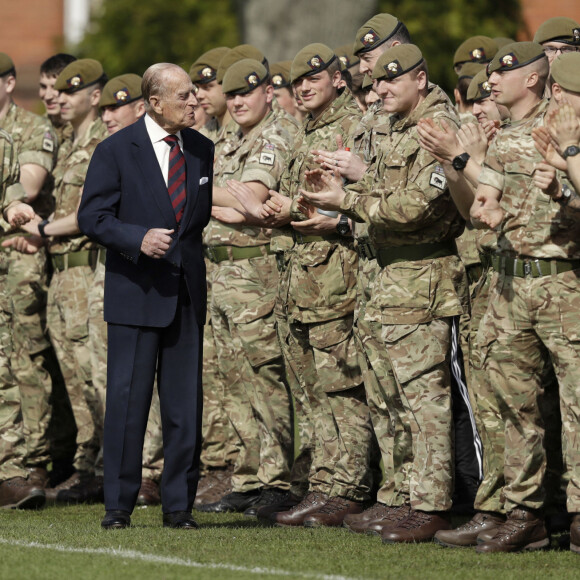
pixel 124 196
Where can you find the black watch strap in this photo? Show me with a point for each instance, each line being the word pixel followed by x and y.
pixel 460 161
pixel 343 227
pixel 570 151
pixel 41 227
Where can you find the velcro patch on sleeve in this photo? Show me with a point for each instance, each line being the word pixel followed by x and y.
pixel 267 158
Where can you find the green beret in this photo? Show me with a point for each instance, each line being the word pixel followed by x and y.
pixel 311 60
pixel 280 72
pixel 516 55
pixel 204 69
pixel 502 41
pixel 367 83
pixel 6 65
pixel 121 90
pixel 475 49
pixel 559 29
pixel 566 71
pixel 346 56
pixel 244 76
pixel 470 69
pixel 239 53
pixel 479 87
pixel 375 32
pixel 397 61
pixel 78 75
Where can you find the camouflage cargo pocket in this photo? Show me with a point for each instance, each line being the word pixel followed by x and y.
pixel 258 338
pixel 568 289
pixel 414 349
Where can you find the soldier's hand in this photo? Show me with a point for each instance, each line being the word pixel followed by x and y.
pixel 472 139
pixel 156 242
pixel 441 142
pixel 486 212
pixel 329 194
pixel 227 215
pixel 345 163
pixel 247 198
pixel 564 126
pixel 24 244
pixel 316 226
pixel 277 209
pixel 547 148
pixel 545 178
pixel 490 127
pixel 17 214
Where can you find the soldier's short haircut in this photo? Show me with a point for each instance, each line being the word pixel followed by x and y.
pixel 402 35
pixel 541 67
pixel 54 65
pixel 347 78
pixel 333 67
pixel 462 86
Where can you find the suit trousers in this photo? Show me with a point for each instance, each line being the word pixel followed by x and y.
pixel 135 353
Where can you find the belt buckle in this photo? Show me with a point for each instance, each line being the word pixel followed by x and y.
pixel 527 269
pixel 298 237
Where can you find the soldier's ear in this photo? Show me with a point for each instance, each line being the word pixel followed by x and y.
pixel 557 94
pixel 422 80
pixel 95 97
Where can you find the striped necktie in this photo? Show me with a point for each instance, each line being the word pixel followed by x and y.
pixel 176 177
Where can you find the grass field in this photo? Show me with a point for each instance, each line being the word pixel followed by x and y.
pixel 68 544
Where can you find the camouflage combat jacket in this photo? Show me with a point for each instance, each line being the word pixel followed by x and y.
pixel 406 202
pixel 35 143
pixel 320 280
pixel 10 168
pixel 69 178
pixel 262 156
pixel 533 225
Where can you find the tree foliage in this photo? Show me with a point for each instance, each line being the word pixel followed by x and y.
pixel 438 27
pixel 129 35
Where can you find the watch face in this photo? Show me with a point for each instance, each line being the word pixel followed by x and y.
pixel 458 164
pixel 571 151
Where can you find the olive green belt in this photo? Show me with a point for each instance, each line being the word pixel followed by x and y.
pixel 300 239
pixel 388 256
pixel 217 254
pixel 531 267
pixel 366 250
pixel 61 262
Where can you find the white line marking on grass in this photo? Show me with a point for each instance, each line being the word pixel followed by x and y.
pixel 156 559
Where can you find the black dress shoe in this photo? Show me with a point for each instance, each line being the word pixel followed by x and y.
pixel 235 501
pixel 116 520
pixel 269 496
pixel 182 520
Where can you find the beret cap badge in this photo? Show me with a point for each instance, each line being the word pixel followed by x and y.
pixel 393 69
pixel 509 60
pixel 477 54
pixel 277 80
pixel 315 62
pixel 206 72
pixel 370 38
pixel 252 80
pixel 576 33
pixel 122 95
pixel 75 81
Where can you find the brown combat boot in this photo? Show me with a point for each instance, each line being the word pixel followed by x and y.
pixel 390 518
pixel 467 534
pixel 575 534
pixel 20 493
pixel 38 476
pixel 148 492
pixel 418 527
pixel 333 512
pixel 523 530
pixel 216 484
pixel 88 489
pixel 266 512
pixel 52 492
pixel 312 503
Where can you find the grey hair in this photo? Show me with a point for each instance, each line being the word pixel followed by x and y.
pixel 153 83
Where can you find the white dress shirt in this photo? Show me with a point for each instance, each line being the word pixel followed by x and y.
pixel 161 148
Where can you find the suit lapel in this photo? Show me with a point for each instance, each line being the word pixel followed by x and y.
pixel 149 166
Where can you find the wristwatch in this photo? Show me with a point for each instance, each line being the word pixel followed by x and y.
pixel 460 161
pixel 343 227
pixel 41 227
pixel 571 151
pixel 566 195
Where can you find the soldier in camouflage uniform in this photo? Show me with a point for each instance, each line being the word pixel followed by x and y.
pixel 74 259
pixel 532 305
pixel 26 279
pixel 220 444
pixel 244 285
pixel 16 490
pixel 416 297
pixel 315 304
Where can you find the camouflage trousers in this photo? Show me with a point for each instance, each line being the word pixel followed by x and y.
pixel 323 360
pixel 68 325
pixel 26 286
pixel 219 446
pixel 527 319
pixel 411 367
pixel 11 431
pixel 257 399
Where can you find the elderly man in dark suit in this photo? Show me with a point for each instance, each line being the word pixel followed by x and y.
pixel 147 198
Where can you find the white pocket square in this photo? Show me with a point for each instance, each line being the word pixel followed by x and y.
pixel 203 181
